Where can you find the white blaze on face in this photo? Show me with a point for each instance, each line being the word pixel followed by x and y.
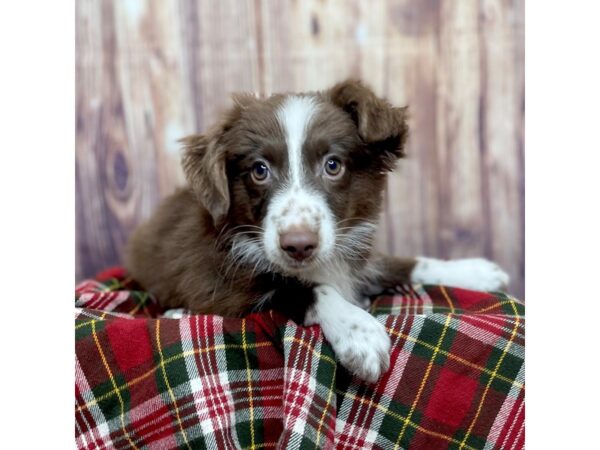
pixel 296 204
pixel 295 115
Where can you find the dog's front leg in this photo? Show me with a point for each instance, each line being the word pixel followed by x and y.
pixel 471 273
pixel 359 341
pixel 477 274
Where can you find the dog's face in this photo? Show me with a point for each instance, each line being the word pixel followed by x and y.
pixel 295 181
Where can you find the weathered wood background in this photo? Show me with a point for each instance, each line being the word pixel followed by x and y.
pixel 150 72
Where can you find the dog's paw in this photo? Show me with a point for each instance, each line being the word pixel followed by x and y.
pixel 176 313
pixel 363 347
pixel 359 341
pixel 486 275
pixel 477 274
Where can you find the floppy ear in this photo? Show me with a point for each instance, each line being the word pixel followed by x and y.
pixel 204 167
pixel 205 160
pixel 380 125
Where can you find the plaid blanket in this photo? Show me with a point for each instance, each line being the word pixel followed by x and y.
pixel 145 381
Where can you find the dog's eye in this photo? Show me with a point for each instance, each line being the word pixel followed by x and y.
pixel 334 167
pixel 260 172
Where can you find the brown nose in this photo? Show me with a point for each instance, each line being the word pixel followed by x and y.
pixel 299 243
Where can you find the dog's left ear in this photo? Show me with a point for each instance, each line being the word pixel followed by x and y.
pixel 380 125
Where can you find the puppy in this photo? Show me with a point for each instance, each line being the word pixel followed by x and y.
pixel 283 199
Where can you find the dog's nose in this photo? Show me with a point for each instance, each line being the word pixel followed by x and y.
pixel 299 242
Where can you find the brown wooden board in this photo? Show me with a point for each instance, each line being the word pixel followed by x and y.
pixel 150 72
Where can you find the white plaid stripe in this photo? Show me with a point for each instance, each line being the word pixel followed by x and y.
pixel 82 314
pixel 521 429
pixel 499 342
pixel 99 434
pixel 112 304
pixel 213 385
pixel 87 300
pixel 520 378
pixel 501 419
pixel 486 319
pixel 146 425
pixel 405 302
pixel 512 425
pixel 349 427
pixel 426 306
pixel 303 369
pixel 399 365
pixel 146 428
pixel 101 300
pixel 89 285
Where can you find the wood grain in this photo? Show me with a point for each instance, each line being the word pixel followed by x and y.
pixel 149 72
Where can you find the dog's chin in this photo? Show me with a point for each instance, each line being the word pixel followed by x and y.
pixel 291 267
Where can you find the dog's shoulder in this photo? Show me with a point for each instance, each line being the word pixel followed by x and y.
pixel 182 211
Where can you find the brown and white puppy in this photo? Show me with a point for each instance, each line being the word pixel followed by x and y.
pixel 283 199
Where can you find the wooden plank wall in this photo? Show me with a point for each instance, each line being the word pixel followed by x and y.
pixel 149 72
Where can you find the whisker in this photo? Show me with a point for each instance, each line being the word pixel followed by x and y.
pixel 223 236
pixel 358 226
pixel 349 219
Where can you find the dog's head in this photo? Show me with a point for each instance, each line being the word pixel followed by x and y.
pixel 295 181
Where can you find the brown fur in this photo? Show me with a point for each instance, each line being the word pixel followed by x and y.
pixel 181 253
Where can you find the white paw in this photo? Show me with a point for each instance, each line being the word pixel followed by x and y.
pixel 175 313
pixel 477 274
pixel 363 347
pixel 359 341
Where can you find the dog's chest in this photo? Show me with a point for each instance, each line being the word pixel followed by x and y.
pixel 341 277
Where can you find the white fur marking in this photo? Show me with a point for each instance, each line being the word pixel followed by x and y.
pixel 295 115
pixel 291 208
pixel 360 342
pixel 477 274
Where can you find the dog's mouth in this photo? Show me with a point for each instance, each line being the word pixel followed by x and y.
pixel 290 264
pixel 296 266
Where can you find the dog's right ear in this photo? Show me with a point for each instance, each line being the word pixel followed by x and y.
pixel 205 162
pixel 204 168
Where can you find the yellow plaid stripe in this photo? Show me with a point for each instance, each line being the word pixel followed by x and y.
pixel 114 383
pixel 447 297
pixel 497 305
pixel 261 445
pixel 85 324
pixel 166 379
pixel 311 348
pixel 327 359
pixel 142 304
pixel 489 383
pixel 328 401
pixel 249 376
pixel 424 381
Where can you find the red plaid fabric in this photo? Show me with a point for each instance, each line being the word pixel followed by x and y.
pixel 143 381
